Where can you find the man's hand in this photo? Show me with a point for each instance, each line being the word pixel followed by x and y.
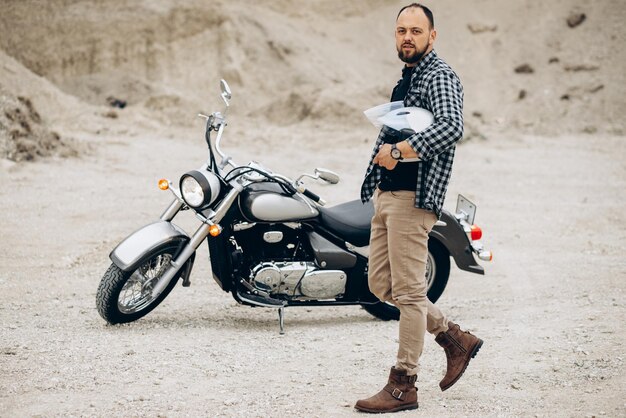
pixel 384 159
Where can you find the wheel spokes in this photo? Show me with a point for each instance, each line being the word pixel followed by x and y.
pixel 431 270
pixel 137 291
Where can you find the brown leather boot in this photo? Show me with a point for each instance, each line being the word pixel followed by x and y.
pixel 460 347
pixel 399 394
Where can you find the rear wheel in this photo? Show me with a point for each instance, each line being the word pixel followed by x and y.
pixel 127 296
pixel 437 273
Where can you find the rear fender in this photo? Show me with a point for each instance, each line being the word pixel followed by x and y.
pixel 454 238
pixel 139 246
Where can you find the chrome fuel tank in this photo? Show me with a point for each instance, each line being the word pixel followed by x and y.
pixel 267 202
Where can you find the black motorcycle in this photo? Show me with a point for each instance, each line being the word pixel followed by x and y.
pixel 272 242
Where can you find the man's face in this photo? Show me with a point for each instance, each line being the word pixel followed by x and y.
pixel 414 37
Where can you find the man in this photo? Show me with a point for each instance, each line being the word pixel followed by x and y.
pixel 408 197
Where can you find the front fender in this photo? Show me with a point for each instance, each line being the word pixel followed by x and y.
pixel 138 246
pixel 454 238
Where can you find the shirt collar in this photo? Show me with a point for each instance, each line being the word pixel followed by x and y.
pixel 425 61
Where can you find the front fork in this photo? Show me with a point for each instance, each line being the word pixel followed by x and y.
pixel 172 210
pixel 196 239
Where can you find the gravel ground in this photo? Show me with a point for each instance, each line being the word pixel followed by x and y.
pixel 550 308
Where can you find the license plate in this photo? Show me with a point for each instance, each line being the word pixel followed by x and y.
pixel 466 208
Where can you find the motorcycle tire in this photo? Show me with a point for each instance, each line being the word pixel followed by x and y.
pixel 116 286
pixel 441 258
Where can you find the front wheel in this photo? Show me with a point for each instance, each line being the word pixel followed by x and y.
pixel 437 273
pixel 127 296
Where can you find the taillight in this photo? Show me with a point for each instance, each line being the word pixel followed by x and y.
pixel 475 232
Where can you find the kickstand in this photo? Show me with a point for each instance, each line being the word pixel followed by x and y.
pixel 281 320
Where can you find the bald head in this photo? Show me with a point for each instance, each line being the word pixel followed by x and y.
pixel 427 12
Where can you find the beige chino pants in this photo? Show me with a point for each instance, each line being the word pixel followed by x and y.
pixel 397 266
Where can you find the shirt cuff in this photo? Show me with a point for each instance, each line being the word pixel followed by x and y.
pixel 421 147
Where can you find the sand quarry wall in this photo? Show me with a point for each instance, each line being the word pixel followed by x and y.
pixel 543 67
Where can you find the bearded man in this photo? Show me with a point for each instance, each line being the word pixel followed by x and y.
pixel 408 199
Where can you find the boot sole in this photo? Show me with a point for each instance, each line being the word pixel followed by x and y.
pixel 377 411
pixel 471 356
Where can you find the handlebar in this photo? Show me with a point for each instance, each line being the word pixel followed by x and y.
pixel 217 122
pixel 314 197
pixel 297 187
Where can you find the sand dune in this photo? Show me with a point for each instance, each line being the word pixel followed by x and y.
pixel 324 61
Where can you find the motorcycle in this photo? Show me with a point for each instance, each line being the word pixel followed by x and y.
pixel 272 242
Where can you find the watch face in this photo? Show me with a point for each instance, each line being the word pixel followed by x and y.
pixel 395 153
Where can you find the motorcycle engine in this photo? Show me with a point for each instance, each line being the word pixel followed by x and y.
pixel 299 280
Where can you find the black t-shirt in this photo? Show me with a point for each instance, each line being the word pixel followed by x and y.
pixel 404 175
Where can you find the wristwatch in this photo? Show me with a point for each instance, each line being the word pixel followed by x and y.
pixel 396 154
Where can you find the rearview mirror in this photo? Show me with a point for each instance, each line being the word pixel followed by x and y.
pixel 226 94
pixel 327 175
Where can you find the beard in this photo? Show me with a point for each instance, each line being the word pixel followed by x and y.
pixel 411 57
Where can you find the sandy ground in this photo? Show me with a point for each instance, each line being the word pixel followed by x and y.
pixel 543 159
pixel 550 308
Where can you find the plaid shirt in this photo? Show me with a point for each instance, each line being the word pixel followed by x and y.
pixel 434 87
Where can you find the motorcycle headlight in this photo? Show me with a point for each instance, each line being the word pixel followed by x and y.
pixel 199 188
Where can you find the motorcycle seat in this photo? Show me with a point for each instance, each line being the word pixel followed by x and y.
pixel 350 221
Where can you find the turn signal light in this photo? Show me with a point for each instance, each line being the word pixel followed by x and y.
pixel 215 230
pixel 485 255
pixel 475 232
pixel 164 184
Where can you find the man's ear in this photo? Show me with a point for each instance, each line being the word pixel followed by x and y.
pixel 432 37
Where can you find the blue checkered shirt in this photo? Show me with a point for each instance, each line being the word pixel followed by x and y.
pixel 434 87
